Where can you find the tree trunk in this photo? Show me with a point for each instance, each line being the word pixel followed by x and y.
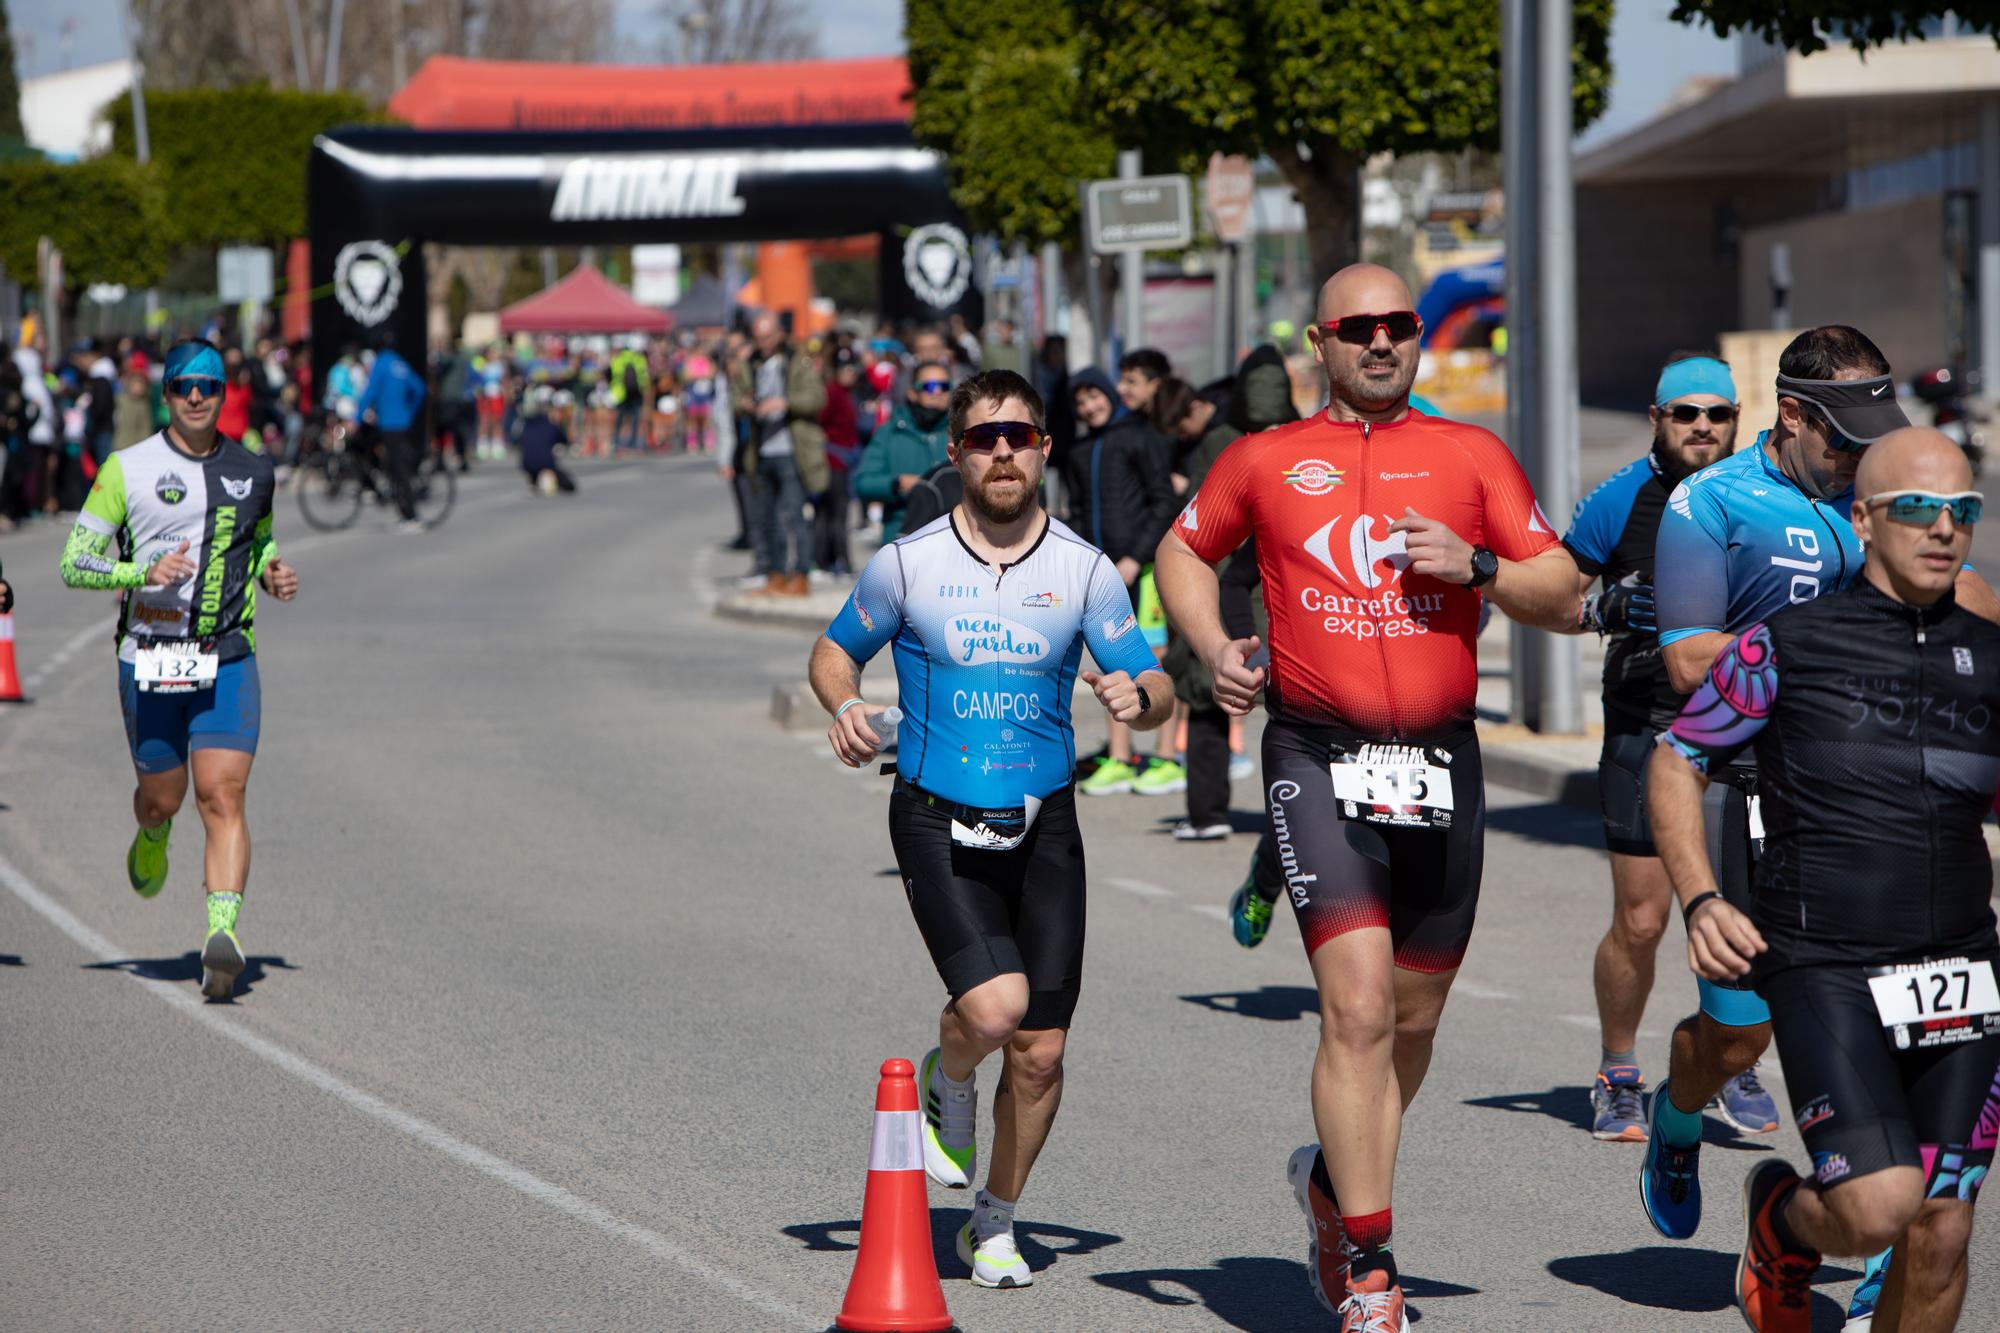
pixel 1327 181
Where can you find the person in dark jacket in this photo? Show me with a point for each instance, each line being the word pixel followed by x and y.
pixel 1122 502
pixel 909 448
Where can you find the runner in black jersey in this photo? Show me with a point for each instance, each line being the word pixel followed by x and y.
pixel 1875 714
pixel 1611 540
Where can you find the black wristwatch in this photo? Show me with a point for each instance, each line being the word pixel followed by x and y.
pixel 1485 565
pixel 1145 700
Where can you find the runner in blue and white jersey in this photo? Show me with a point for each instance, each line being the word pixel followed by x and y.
pixel 989 609
pixel 1742 539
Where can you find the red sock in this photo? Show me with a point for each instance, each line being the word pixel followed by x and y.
pixel 1367 1231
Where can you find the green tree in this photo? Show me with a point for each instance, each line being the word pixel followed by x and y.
pixel 1805 25
pixel 233 161
pixel 997 92
pixel 107 216
pixel 1319 87
pixel 10 85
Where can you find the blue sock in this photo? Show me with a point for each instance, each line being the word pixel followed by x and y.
pixel 1681 1129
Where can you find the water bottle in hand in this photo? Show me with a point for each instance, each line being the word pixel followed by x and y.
pixel 884 725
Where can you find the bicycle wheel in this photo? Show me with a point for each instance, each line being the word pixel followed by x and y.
pixel 433 489
pixel 329 493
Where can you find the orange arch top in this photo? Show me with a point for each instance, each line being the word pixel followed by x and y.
pixel 451 93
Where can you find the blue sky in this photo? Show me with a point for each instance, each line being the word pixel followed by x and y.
pixel 1650 55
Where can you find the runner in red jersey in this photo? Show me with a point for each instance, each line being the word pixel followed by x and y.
pixel 1378 531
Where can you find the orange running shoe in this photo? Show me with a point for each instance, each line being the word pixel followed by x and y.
pixel 1374 1304
pixel 1773 1284
pixel 1327 1260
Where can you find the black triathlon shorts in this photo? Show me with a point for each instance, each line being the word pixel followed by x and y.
pixel 1422 884
pixel 987 913
pixel 1863 1104
pixel 1621 783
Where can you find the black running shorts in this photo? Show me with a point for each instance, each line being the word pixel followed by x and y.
pixel 1341 875
pixel 987 913
pixel 1862 1105
pixel 1621 783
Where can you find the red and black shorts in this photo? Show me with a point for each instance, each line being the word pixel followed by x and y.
pixel 1420 884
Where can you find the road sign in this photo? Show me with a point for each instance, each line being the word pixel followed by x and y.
pixel 1139 213
pixel 1226 193
pixel 243 273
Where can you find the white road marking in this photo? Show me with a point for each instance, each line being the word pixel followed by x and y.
pixel 1209 910
pixel 423 1131
pixel 1479 992
pixel 101 631
pixel 1578 1020
pixel 1139 887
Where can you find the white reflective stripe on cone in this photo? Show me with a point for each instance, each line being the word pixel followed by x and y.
pixel 7 628
pixel 895 1146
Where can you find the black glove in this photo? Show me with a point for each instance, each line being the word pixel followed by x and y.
pixel 1624 607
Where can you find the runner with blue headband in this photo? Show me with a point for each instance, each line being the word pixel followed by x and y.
pixel 190 513
pixel 1611 540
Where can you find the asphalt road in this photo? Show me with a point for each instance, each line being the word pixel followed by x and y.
pixel 571 974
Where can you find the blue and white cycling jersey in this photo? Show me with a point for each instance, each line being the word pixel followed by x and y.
pixel 1740 541
pixel 985 665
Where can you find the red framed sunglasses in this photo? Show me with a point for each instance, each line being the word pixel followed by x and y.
pixel 1360 329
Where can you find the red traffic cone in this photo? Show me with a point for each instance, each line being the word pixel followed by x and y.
pixel 895 1284
pixel 10 679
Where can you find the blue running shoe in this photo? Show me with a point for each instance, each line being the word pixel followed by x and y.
pixel 1618 1098
pixel 1745 1105
pixel 1861 1306
pixel 1669 1180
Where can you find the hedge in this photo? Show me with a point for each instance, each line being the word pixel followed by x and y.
pixel 233 160
pixel 108 216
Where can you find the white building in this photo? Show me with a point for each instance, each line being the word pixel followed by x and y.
pixel 60 112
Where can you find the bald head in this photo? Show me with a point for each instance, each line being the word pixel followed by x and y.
pixel 1362 289
pixel 1914 542
pixel 766 332
pixel 1913 458
pixel 1366 381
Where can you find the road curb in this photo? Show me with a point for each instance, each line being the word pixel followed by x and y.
pixel 1524 769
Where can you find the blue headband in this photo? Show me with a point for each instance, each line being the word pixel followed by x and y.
pixel 194 358
pixel 1697 374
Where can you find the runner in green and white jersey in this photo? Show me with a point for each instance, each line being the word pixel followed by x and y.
pixel 190 513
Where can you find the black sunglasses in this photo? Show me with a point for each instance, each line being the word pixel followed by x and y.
pixel 1360 329
pixel 987 434
pixel 181 386
pixel 933 386
pixel 1688 413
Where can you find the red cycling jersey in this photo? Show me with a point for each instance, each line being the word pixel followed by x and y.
pixel 1355 642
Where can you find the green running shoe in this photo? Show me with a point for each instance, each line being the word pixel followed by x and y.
pixel 146 863
pixel 221 963
pixel 1249 915
pixel 1163 777
pixel 222 958
pixel 1112 778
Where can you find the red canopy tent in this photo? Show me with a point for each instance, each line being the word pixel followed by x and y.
pixel 584 302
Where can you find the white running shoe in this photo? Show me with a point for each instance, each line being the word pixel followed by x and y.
pixel 994 1261
pixel 951 1149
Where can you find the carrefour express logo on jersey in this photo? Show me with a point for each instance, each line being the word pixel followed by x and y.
pixel 979 639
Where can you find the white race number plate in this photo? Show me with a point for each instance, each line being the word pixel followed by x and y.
pixel 172 668
pixel 1944 1000
pixel 1396 785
